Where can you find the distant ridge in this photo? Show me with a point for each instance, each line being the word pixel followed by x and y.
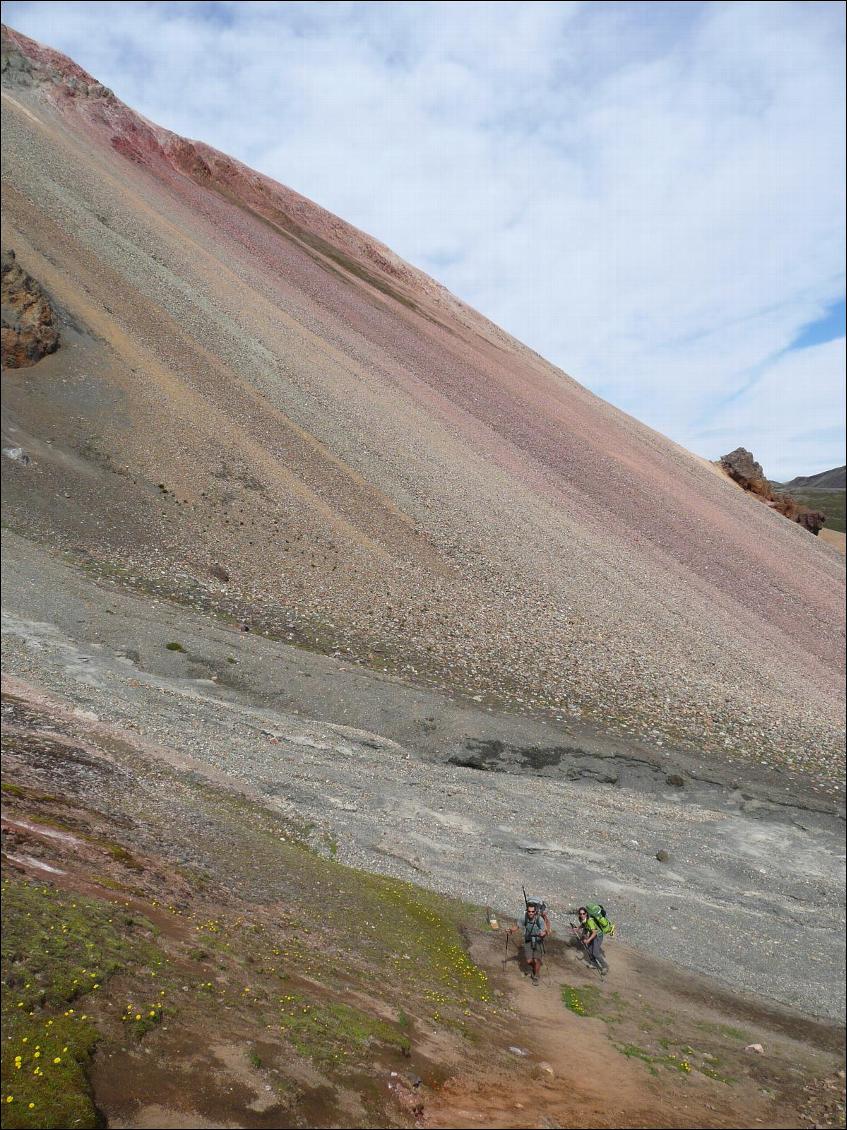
pixel 826 480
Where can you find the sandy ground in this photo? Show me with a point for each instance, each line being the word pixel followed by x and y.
pixel 834 538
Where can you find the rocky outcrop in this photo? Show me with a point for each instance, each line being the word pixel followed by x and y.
pixel 743 468
pixel 30 328
pixel 811 520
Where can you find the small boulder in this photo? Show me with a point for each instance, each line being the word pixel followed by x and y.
pixel 662 856
pixel 17 455
pixel 812 520
pixel 757 1048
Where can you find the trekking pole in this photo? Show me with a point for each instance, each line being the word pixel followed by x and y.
pixel 506 954
pixel 591 961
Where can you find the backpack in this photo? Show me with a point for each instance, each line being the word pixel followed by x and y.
pixel 598 912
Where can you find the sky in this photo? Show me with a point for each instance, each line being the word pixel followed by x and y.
pixel 651 195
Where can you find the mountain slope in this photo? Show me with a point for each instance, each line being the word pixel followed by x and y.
pixel 826 480
pixel 260 410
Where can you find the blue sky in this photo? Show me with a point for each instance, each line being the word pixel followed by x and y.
pixel 650 195
pixel 828 328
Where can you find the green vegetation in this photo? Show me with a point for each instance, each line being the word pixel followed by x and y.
pixel 410 936
pixel 21 792
pixel 111 884
pixel 118 853
pixel 584 1001
pixel 57 949
pixel 327 1032
pixel 670 1052
pixel 44 1073
pixel 416 933
pixel 590 1001
pixel 390 955
pixel 174 646
pixel 684 1061
pixel 139 1019
pixel 726 1031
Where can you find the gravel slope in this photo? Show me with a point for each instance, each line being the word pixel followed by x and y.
pixel 752 893
pixel 247 381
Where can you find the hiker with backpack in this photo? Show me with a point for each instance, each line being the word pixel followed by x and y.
pixel 593 927
pixel 536 927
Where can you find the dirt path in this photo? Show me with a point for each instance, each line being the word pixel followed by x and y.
pixel 616 1068
pixel 572 1075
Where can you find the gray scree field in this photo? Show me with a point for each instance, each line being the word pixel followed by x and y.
pixel 455 797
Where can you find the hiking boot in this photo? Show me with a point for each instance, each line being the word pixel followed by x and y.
pixel 536 980
pixel 604 971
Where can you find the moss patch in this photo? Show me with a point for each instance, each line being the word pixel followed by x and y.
pixel 330 1032
pixel 21 792
pixel 726 1031
pixel 673 1062
pixel 57 949
pixel 584 1001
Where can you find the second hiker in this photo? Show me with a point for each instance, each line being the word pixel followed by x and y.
pixel 591 934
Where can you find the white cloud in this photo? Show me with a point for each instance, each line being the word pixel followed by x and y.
pixel 649 195
pixel 795 406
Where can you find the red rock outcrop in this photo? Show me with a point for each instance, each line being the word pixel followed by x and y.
pixel 29 329
pixel 743 468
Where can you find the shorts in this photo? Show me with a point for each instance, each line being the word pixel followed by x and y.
pixel 532 953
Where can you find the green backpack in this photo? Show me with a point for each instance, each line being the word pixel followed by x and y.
pixel 598 912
